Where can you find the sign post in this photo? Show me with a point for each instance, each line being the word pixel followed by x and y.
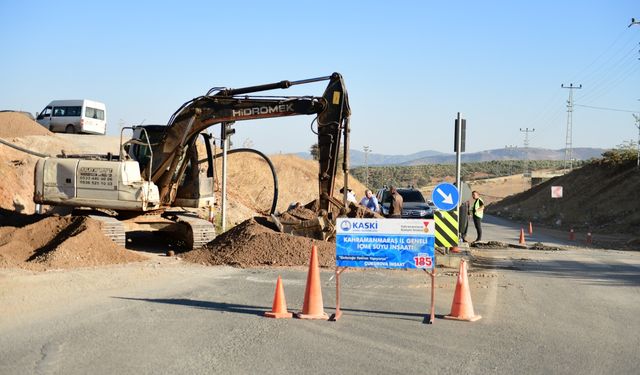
pixel 385 243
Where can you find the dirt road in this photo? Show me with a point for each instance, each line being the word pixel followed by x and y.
pixel 561 312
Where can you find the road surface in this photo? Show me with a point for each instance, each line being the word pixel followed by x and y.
pixel 574 311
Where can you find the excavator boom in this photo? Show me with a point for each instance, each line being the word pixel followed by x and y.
pixel 229 105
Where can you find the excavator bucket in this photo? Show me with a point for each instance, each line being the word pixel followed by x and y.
pixel 318 228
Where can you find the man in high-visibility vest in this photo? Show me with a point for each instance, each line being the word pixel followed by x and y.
pixel 477 211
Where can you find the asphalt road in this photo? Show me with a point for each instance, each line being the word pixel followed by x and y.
pixel 574 311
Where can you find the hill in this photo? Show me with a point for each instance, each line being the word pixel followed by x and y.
pixel 358 157
pixel 600 197
pixel 435 157
pixel 250 183
pixel 509 154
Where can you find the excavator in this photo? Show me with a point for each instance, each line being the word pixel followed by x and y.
pixel 161 171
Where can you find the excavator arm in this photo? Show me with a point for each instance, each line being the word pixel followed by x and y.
pixel 230 105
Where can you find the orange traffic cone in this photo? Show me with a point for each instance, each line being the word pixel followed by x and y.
pixel 530 228
pixel 521 237
pixel 572 235
pixel 462 307
pixel 313 308
pixel 279 308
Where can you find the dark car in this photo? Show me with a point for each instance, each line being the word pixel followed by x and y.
pixel 413 207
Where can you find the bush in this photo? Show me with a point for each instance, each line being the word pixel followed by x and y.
pixel 617 157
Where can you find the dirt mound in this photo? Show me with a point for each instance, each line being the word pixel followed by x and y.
pixel 16 167
pixel 299 213
pixel 597 197
pixel 16 125
pixel 60 242
pixel 250 183
pixel 361 212
pixel 254 243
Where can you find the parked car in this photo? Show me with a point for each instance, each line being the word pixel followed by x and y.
pixel 74 116
pixel 413 207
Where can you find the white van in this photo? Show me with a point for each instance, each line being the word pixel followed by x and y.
pixel 74 116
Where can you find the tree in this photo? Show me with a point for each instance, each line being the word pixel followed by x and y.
pixel 315 151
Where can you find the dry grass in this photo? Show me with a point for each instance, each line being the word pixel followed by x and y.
pixel 250 181
pixel 491 189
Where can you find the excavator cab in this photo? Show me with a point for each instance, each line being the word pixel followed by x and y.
pixel 196 170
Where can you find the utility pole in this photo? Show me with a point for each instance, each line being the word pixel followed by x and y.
pixel 637 118
pixel 367 150
pixel 568 150
pixel 526 131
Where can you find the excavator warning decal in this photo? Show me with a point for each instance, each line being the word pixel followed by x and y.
pixel 336 97
pixel 446 228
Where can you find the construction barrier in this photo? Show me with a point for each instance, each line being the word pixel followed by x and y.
pixel 462 307
pixel 313 307
pixel 385 243
pixel 279 307
pixel 447 233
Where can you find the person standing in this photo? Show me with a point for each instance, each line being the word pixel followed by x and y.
pixel 370 201
pixel 350 196
pixel 477 211
pixel 396 201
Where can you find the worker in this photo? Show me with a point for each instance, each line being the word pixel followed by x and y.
pixel 477 211
pixel 370 201
pixel 396 201
pixel 350 196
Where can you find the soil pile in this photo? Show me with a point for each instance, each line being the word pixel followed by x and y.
pixel 60 242
pixel 250 182
pixel 15 125
pixel 255 243
pixel 16 167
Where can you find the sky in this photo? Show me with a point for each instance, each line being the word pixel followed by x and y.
pixel 409 66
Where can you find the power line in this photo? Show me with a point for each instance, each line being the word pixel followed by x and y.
pixel 614 68
pixel 611 54
pixel 605 108
pixel 618 74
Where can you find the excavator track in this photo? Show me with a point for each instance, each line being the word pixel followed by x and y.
pixel 112 229
pixel 199 232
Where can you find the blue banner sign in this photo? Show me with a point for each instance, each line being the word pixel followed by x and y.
pixel 385 243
